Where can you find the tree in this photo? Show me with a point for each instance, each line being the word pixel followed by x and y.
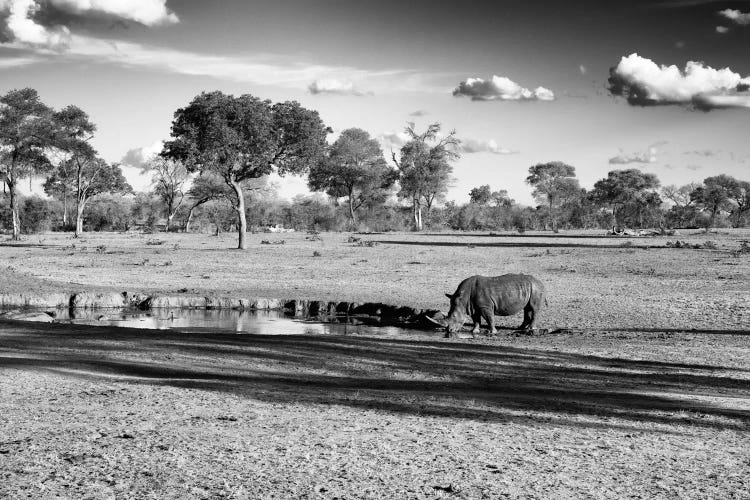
pixel 81 166
pixel 73 132
pixel 425 171
pixel 501 198
pixel 480 195
pixel 355 169
pixel 168 178
pixel 553 183
pixel 683 211
pixel 26 130
pixel 627 190
pixel 716 195
pixel 95 176
pixel 741 196
pixel 243 138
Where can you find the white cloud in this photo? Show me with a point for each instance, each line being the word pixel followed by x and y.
pixel 262 70
pixel 13 62
pixel 645 83
pixel 393 140
pixel 621 159
pixel 722 30
pixel 148 12
pixel 23 28
pixel 734 15
pixel 477 146
pixel 582 69
pixel 648 156
pixel 335 86
pixel 137 157
pixel 500 88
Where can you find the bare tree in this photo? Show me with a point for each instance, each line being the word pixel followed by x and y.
pixel 425 170
pixel 168 178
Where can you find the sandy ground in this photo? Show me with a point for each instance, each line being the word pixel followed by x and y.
pixel 647 395
pixel 592 281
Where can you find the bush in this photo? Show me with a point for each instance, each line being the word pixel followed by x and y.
pixel 36 215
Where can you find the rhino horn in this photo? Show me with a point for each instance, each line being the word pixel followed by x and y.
pixel 437 322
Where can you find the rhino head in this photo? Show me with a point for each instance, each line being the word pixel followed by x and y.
pixel 457 313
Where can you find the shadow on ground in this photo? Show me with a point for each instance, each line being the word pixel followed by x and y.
pixel 419 377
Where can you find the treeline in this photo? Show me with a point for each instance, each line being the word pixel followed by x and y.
pixel 211 176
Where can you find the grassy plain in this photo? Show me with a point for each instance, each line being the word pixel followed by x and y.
pixel 644 394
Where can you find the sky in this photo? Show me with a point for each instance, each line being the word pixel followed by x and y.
pixel 660 85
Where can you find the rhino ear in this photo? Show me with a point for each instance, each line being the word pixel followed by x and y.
pixel 449 295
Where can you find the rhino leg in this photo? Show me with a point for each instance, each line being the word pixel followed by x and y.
pixel 529 316
pixel 477 319
pixel 489 316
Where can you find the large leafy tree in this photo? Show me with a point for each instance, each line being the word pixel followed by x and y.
pixel 355 169
pixel 73 133
pixel 90 175
pixel 627 191
pixel 425 167
pixel 26 131
pixel 554 183
pixel 480 195
pixel 717 194
pixel 94 177
pixel 243 138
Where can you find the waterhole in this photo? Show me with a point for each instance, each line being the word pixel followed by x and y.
pixel 226 321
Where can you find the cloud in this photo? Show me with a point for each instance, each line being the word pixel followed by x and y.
pixel 644 83
pixel 470 146
pixel 703 152
pixel 500 88
pixel 722 30
pixel 260 70
pixel 22 28
pixel 146 12
pixel 737 17
pixel 22 23
pixel 419 112
pixel 13 62
pixel 393 140
pixel 137 157
pixel 648 156
pixel 622 159
pixel 335 86
pixel 694 167
pixel 582 69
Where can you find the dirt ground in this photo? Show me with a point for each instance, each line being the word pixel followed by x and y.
pixel 644 394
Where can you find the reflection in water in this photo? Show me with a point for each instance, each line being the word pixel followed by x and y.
pixel 246 322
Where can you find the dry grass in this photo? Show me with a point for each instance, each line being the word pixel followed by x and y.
pixel 625 404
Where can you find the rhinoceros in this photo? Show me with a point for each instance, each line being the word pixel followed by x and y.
pixel 486 296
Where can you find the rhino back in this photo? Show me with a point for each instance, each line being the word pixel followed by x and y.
pixel 508 294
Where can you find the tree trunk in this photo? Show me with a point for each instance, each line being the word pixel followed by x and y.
pixel 242 221
pixel 14 210
pixel 552 217
pixel 417 207
pixel 351 210
pixel 65 206
pixel 189 219
pixel 79 217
